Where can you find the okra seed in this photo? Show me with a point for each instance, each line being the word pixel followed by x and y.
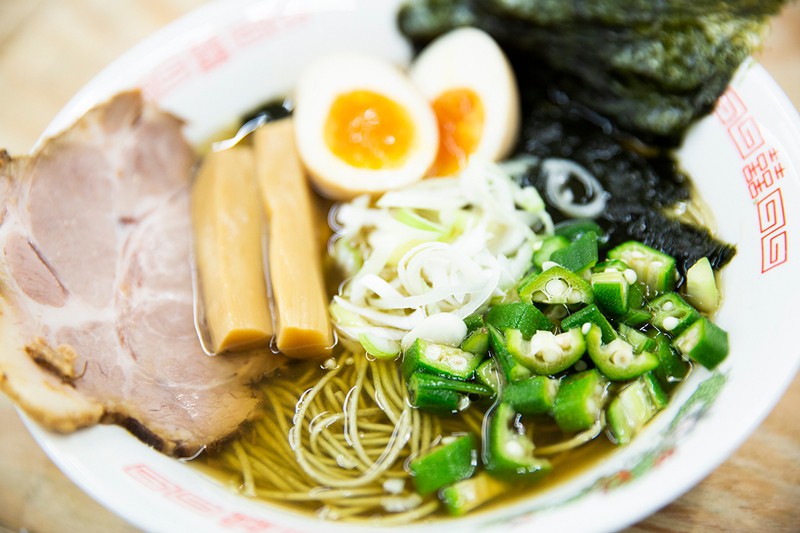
pixel 563 341
pixel 574 297
pixel 621 358
pixel 586 327
pixel 514 449
pixel 556 287
pixel 458 363
pixel 670 323
pixel 630 276
pixel 668 306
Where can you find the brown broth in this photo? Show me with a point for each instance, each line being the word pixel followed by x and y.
pixel 566 465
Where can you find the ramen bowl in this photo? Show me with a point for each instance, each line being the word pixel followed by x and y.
pixel 225 59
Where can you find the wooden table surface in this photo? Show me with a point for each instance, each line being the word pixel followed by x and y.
pixel 50 48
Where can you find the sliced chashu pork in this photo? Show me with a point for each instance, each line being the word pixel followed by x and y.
pixel 96 314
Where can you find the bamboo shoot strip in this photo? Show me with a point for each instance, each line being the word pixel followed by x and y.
pixel 295 268
pixel 228 226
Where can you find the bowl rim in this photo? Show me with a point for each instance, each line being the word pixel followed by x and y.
pixel 174 37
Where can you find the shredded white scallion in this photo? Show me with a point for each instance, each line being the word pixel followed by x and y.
pixel 443 245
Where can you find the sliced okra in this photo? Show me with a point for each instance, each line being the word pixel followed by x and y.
pixel 580 400
pixel 477 342
pixel 489 374
pixel 525 317
pixel 512 369
pixel 508 452
pixel 439 359
pixel 533 396
pixel 548 246
pixel 637 339
pixel 704 342
pixel 633 407
pixel 638 314
pixel 611 291
pixel 612 265
pixel 671 313
pixel 575 228
pixel 466 495
pixel 701 286
pixel 556 285
pixel 616 360
pixel 579 255
pixel 453 459
pixel 546 353
pixel 672 368
pixel 653 268
pixel 474 322
pixel 441 395
pixel 590 315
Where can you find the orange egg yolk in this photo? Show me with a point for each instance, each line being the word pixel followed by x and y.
pixel 460 116
pixel 368 130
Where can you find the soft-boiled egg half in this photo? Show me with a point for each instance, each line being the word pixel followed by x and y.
pixel 361 126
pixel 472 89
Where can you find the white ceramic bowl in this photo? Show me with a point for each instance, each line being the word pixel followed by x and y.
pixel 228 57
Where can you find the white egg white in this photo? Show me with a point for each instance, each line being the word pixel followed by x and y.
pixel 469 58
pixel 340 73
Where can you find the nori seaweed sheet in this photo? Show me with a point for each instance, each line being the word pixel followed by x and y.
pixel 559 121
pixel 650 66
pixel 640 187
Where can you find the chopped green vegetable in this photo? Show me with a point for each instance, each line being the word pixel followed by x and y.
pixel 512 369
pixel 580 400
pixel 440 359
pixel 672 368
pixel 454 459
pixel 424 394
pixel 546 353
pixel 508 452
pixel 549 246
pixel 590 315
pixel 638 340
pixel 701 286
pixel 533 396
pixel 518 315
pixel 466 495
pixel 633 407
pixel 653 268
pixel 611 292
pixel 579 255
pixel 556 285
pixel 616 360
pixel 704 342
pixel 488 373
pixel 378 347
pixel 442 395
pixel 474 322
pixel 671 313
pixel 415 220
pixel 477 342
pixel 614 265
pixel 574 229
pixel 637 315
